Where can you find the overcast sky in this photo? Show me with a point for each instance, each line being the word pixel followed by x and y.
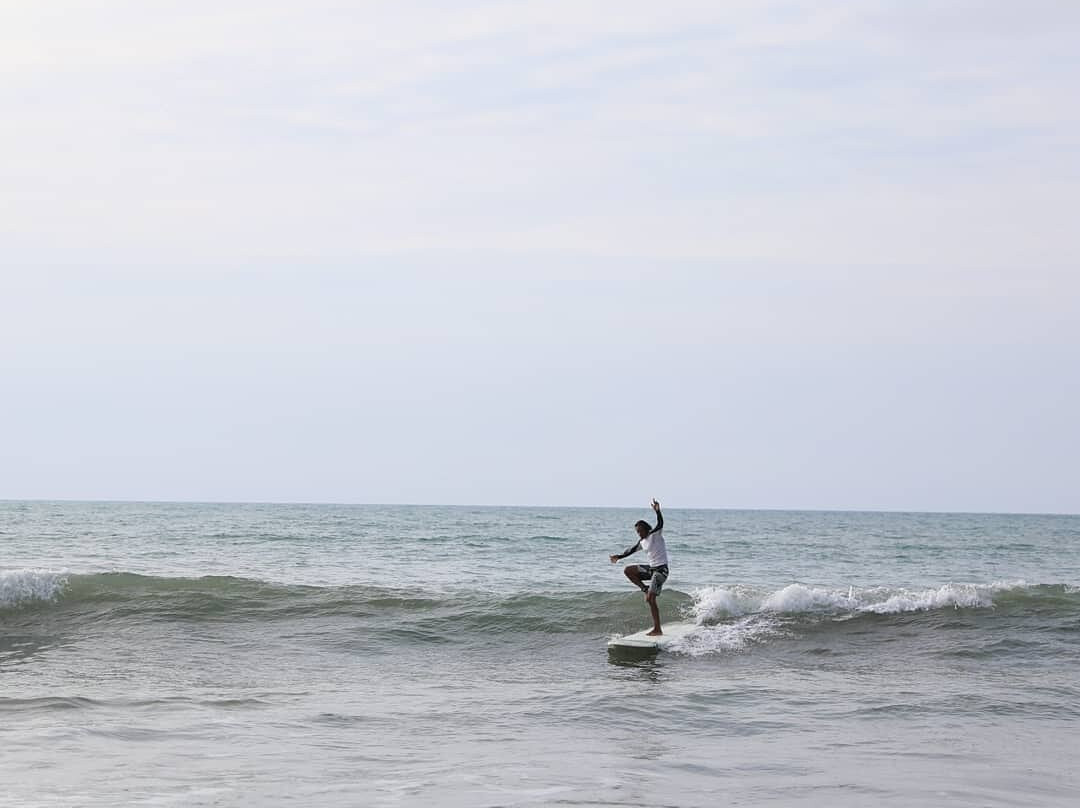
pixel 740 254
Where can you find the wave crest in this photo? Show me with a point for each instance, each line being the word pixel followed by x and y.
pixel 712 603
pixel 21 586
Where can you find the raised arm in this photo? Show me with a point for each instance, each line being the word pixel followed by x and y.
pixel 659 517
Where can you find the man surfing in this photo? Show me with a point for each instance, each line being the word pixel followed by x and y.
pixel 651 539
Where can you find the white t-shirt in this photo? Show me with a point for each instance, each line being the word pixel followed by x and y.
pixel 654 545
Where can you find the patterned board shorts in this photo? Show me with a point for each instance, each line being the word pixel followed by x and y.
pixel 654 575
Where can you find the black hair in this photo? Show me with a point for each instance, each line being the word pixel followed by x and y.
pixel 642 523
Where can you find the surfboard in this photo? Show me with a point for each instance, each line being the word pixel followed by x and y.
pixel 673 632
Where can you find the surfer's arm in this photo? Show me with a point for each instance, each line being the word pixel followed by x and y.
pixel 626 552
pixel 659 517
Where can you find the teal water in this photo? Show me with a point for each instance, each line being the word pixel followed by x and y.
pixel 183 654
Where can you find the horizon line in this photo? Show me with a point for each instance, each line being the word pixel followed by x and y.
pixel 775 509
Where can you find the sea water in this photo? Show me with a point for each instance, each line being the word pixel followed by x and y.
pixel 320 655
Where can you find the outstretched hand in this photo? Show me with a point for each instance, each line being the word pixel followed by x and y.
pixel 613 558
pixel 656 506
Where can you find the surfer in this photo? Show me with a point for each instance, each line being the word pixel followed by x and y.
pixel 651 539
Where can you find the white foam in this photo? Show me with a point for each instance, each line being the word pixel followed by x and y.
pixel 716 603
pixel 1001 586
pixel 731 618
pixel 958 596
pixel 799 598
pixel 728 637
pixel 26 585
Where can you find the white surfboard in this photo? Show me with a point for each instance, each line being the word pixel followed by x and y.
pixel 673 632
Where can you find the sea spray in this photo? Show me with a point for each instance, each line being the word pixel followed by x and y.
pixel 714 603
pixel 22 586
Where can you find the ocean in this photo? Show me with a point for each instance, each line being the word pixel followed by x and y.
pixel 325 655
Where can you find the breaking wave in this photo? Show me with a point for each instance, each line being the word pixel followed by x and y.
pixel 713 602
pixel 729 618
pixel 29 585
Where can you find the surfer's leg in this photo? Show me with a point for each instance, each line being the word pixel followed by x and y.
pixel 633 572
pixel 656 583
pixel 657 579
pixel 650 598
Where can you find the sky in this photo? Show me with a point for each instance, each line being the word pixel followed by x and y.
pixel 744 254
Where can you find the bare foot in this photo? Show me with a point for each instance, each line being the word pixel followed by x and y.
pixel 655 633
